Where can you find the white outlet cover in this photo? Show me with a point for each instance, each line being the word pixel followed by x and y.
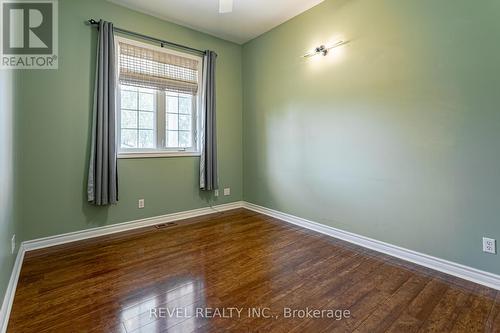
pixel 216 193
pixel 489 245
pixel 227 191
pixel 140 203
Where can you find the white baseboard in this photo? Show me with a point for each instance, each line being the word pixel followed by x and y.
pixel 448 267
pixel 467 273
pixel 125 226
pixel 8 299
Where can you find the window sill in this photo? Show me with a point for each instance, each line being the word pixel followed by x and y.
pixel 159 154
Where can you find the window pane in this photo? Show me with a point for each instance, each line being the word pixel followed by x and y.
pixel 129 100
pixel 129 138
pixel 172 139
pixel 142 127
pixel 146 102
pixel 185 105
pixel 184 139
pixel 147 120
pixel 129 119
pixel 172 105
pixel 146 139
pixel 172 121
pixel 184 123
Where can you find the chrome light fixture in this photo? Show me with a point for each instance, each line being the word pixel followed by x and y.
pixel 323 50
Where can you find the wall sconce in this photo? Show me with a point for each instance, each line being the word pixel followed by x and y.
pixel 323 50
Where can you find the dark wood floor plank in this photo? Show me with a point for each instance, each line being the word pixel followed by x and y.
pixel 475 317
pixel 392 308
pixel 446 311
pixel 493 322
pixel 419 309
pixel 238 259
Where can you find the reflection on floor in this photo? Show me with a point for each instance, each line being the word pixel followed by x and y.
pixel 189 277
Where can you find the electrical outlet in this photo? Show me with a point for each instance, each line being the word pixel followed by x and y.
pixel 489 245
pixel 13 244
pixel 216 193
pixel 140 203
pixel 227 191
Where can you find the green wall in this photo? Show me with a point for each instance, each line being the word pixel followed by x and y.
pixel 54 122
pixel 8 226
pixel 395 136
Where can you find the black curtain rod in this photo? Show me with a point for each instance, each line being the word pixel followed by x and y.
pixel 162 43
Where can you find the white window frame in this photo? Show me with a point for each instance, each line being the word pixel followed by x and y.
pixel 161 112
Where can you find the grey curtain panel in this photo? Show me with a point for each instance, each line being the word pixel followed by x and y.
pixel 208 161
pixel 102 188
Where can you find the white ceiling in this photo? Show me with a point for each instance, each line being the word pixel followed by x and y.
pixel 249 19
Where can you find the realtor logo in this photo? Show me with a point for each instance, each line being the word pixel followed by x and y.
pixel 29 34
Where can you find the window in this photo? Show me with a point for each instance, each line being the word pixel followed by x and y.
pixel 138 118
pixel 158 101
pixel 179 125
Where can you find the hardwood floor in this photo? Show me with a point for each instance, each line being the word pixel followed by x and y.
pixel 239 259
